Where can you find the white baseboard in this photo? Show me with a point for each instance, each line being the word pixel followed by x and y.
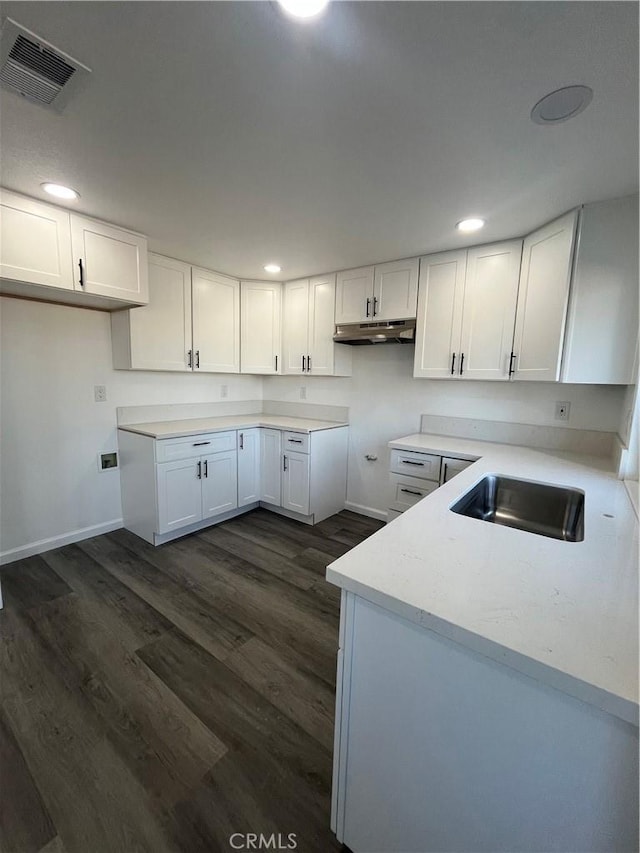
pixel 43 545
pixel 379 514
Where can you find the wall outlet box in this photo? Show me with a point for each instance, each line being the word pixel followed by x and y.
pixel 100 393
pixel 224 390
pixel 303 392
pixel 562 410
pixel 107 461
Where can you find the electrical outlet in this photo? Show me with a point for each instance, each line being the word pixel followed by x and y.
pixel 100 393
pixel 303 392
pixel 563 409
pixel 224 390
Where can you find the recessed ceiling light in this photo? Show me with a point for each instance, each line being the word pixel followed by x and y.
pixel 303 8
pixel 59 191
pixel 472 224
pixel 562 104
pixel 274 268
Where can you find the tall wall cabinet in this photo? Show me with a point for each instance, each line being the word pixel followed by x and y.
pixel 192 322
pixel 308 345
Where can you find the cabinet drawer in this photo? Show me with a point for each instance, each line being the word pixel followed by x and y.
pixel 297 441
pixel 168 450
pixel 415 464
pixel 407 491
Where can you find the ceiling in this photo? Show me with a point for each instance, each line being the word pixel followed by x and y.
pixel 232 135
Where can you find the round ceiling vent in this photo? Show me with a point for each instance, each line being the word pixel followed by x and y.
pixel 562 104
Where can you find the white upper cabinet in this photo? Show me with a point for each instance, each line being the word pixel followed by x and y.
pixel 35 242
pixel 385 292
pixel 308 345
pixel 466 311
pixel 354 296
pixel 602 326
pixel 109 261
pixel 157 336
pixel 260 310
pixel 216 322
pixel 395 290
pixel 439 320
pixel 488 313
pixel 542 300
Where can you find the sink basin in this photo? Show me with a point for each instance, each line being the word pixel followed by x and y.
pixel 552 511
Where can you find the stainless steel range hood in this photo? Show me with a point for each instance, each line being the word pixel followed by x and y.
pixel 389 332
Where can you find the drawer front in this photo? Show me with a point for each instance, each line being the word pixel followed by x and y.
pixel 296 441
pixel 168 450
pixel 407 491
pixel 415 464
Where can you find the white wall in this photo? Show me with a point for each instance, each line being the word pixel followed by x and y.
pixel 385 402
pixel 52 430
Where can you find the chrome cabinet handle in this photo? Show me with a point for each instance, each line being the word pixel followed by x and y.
pixel 81 273
pixel 284 463
pixel 198 358
pixel 199 469
pixel 190 358
pixel 241 441
pixel 453 363
pixel 409 462
pixel 206 468
pixel 411 492
pixel 461 363
pixel 200 443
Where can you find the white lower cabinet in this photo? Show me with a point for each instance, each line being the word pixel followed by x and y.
pixel 270 466
pixel 175 486
pixel 248 466
pixel 295 482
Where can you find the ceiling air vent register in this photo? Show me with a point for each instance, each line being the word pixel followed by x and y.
pixel 36 69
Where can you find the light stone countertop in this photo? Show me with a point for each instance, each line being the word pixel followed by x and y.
pixel 196 426
pixel 563 613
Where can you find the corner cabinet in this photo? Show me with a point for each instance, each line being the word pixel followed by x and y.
pixel 466 311
pixel 308 345
pixel 543 297
pixel 260 327
pixel 175 486
pixel 384 292
pixel 47 252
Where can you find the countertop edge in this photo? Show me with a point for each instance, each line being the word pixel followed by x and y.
pixel 230 426
pixel 618 706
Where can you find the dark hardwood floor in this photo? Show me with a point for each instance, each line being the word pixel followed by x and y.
pixel 162 699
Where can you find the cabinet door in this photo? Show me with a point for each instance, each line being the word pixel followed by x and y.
pixel 354 296
pixel 295 482
pixel 219 483
pixel 489 310
pixel 160 332
pixel 216 322
pixel 322 303
pixel 35 242
pixel 439 321
pixel 295 342
pixel 248 466
pixel 270 466
pixel 602 327
pixel 542 300
pixel 179 494
pixel 260 309
pixel 114 261
pixel 395 290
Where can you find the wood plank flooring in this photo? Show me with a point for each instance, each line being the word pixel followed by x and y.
pixel 161 699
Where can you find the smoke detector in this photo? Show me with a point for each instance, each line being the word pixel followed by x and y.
pixel 37 70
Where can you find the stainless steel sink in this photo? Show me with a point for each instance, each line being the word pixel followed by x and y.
pixel 551 511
